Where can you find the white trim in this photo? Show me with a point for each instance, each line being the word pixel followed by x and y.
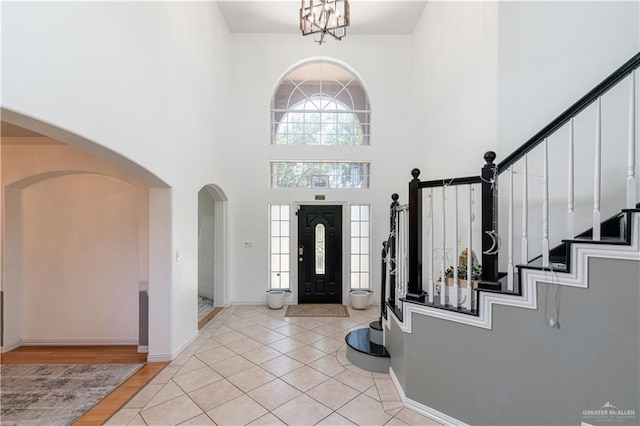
pixel 143 287
pixel 78 342
pixel 170 357
pixel 159 358
pixel 580 255
pixel 252 303
pixel 422 409
pixel 143 349
pixel 184 344
pixel 10 347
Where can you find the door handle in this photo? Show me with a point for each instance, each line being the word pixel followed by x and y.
pixel 300 253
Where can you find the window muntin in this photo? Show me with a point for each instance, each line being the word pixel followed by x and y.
pixel 360 246
pixel 309 174
pixel 279 268
pixel 319 121
pixel 320 104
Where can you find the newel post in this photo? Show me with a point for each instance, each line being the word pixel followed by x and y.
pixel 393 228
pixel 490 238
pixel 414 286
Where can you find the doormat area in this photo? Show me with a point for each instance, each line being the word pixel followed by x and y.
pixel 317 310
pixel 57 394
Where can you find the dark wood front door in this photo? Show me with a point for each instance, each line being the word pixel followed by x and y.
pixel 319 254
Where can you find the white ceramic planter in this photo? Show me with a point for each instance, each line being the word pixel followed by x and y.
pixel 275 298
pixel 359 299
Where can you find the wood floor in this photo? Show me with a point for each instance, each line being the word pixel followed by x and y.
pixel 106 408
pixel 101 412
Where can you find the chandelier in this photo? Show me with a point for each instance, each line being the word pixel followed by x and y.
pixel 322 17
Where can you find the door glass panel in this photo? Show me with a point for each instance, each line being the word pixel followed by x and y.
pixel 320 254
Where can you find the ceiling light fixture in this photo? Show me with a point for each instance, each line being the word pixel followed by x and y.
pixel 322 17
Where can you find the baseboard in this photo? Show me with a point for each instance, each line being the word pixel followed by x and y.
pixel 159 358
pixel 143 349
pixel 10 347
pixel 78 342
pixel 168 357
pixel 419 408
pixel 184 345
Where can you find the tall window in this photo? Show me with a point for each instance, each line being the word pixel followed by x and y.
pixel 320 104
pixel 360 244
pixel 279 246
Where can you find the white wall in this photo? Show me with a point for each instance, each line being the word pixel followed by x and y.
pixel 455 48
pixel 146 80
pixel 551 54
pixel 76 246
pixel 259 61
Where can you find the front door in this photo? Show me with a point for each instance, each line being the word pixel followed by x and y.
pixel 319 254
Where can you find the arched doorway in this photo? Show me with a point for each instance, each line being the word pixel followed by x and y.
pixel 154 249
pixel 211 249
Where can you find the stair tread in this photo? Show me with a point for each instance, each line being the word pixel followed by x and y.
pixel 603 240
pixel 359 340
pixel 375 325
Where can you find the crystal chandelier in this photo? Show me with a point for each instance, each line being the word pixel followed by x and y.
pixel 322 17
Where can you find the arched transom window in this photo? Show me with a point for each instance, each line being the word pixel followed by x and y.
pixel 320 103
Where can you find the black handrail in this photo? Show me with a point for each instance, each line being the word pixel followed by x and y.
pixel 572 111
pixel 450 182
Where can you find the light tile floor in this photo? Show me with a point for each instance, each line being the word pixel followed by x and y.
pixel 251 365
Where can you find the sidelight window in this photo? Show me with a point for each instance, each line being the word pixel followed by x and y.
pixel 360 246
pixel 279 239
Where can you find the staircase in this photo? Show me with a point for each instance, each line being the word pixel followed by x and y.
pixel 365 348
pixel 439 221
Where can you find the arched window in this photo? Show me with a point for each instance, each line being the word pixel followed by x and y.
pixel 320 103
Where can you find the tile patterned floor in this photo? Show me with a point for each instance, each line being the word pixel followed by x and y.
pixel 252 366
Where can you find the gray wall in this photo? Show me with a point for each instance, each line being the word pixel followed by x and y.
pixel 143 318
pixel 523 372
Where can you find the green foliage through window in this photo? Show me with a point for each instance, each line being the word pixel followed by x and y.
pixel 313 174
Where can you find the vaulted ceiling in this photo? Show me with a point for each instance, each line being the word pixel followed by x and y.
pixel 367 16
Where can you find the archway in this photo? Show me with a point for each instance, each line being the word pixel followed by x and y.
pixel 211 249
pixel 155 268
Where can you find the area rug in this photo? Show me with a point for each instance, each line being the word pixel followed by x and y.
pixel 56 394
pixel 317 310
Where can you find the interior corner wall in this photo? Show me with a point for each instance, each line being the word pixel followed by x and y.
pixel 454 114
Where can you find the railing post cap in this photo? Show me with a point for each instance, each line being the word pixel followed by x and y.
pixel 395 196
pixel 489 156
pixel 415 173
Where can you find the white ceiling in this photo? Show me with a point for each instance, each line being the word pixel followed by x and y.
pixel 367 16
